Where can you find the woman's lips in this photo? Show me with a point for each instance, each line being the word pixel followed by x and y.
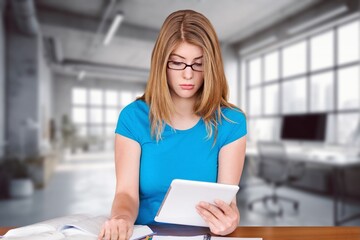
pixel 187 86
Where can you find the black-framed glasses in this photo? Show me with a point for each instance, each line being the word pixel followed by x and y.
pixel 197 67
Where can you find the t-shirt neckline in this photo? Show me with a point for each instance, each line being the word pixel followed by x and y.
pixel 168 127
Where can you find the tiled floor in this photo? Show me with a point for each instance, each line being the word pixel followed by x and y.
pixel 85 183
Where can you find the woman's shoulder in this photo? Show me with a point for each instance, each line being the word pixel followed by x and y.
pixel 136 107
pixel 133 121
pixel 232 125
pixel 233 114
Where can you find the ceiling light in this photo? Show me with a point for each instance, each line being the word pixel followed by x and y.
pixel 317 20
pixel 81 75
pixel 119 17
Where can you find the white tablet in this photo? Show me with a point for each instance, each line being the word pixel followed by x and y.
pixel 178 206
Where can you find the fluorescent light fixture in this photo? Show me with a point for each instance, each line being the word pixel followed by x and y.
pixel 81 75
pixel 317 20
pixel 114 26
pixel 258 44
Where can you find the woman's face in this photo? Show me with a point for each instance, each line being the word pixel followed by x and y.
pixel 184 81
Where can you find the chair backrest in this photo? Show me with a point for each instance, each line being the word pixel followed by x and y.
pixel 273 165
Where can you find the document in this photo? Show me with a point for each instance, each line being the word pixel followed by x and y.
pixel 79 226
pixel 200 237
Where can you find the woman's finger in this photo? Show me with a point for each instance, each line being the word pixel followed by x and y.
pixel 207 216
pixel 102 232
pixel 226 208
pixel 129 233
pixel 214 210
pixel 107 231
pixel 122 232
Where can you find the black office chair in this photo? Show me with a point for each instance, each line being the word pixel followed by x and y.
pixel 277 170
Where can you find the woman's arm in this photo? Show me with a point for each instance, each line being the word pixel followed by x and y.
pixel 222 218
pixel 126 201
pixel 231 162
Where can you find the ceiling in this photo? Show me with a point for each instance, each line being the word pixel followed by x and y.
pixel 78 27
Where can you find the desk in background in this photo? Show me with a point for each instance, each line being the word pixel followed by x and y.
pixel 337 163
pixel 267 233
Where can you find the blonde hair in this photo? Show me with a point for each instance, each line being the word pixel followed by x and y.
pixel 194 28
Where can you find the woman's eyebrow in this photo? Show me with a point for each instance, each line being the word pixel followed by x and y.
pixel 174 54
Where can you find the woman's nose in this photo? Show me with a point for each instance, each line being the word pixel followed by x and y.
pixel 188 73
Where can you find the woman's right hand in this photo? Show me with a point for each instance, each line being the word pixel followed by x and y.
pixel 116 229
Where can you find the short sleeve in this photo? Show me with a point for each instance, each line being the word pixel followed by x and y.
pixel 126 125
pixel 233 127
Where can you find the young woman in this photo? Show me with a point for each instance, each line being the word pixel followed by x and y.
pixel 182 127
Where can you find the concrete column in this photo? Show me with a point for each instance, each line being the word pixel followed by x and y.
pixel 2 79
pixel 22 91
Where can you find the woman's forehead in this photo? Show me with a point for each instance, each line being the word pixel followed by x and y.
pixel 187 51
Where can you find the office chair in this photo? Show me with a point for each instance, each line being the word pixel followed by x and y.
pixel 277 170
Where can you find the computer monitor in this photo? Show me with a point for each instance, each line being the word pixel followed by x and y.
pixel 304 127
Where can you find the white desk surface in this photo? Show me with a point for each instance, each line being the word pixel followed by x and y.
pixel 323 156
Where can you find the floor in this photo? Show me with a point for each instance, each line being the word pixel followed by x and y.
pixel 85 183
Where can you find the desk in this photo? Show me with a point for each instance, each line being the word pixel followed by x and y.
pixel 267 233
pixel 338 164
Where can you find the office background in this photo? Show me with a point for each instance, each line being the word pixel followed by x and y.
pixel 64 80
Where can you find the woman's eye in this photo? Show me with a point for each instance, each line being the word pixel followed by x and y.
pixel 177 63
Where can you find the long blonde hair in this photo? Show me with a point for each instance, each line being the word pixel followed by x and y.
pixel 194 28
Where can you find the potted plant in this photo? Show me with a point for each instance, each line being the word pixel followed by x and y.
pixel 19 184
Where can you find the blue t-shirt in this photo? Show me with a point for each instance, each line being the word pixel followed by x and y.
pixel 182 154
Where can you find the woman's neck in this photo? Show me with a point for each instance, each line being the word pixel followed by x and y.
pixel 184 108
pixel 184 116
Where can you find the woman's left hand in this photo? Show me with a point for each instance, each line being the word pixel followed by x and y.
pixel 221 217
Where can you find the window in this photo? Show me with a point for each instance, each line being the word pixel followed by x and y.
pixel 348 47
pixel 111 115
pixel 255 101
pixel 96 97
pixel 264 129
pixel 347 124
pixel 294 59
pixel 96 115
pixel 271 99
pixel 79 115
pixel 322 51
pixel 79 96
pixel 331 128
pixel 111 98
pixel 319 73
pixel 255 72
pixel 126 97
pixel 272 66
pixel 294 96
pixel 95 112
pixel 348 88
pixel 95 131
pixel 322 92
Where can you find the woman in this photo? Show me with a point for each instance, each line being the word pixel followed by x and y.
pixel 182 127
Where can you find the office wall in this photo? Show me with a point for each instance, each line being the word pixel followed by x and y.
pixel 2 79
pixel 231 71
